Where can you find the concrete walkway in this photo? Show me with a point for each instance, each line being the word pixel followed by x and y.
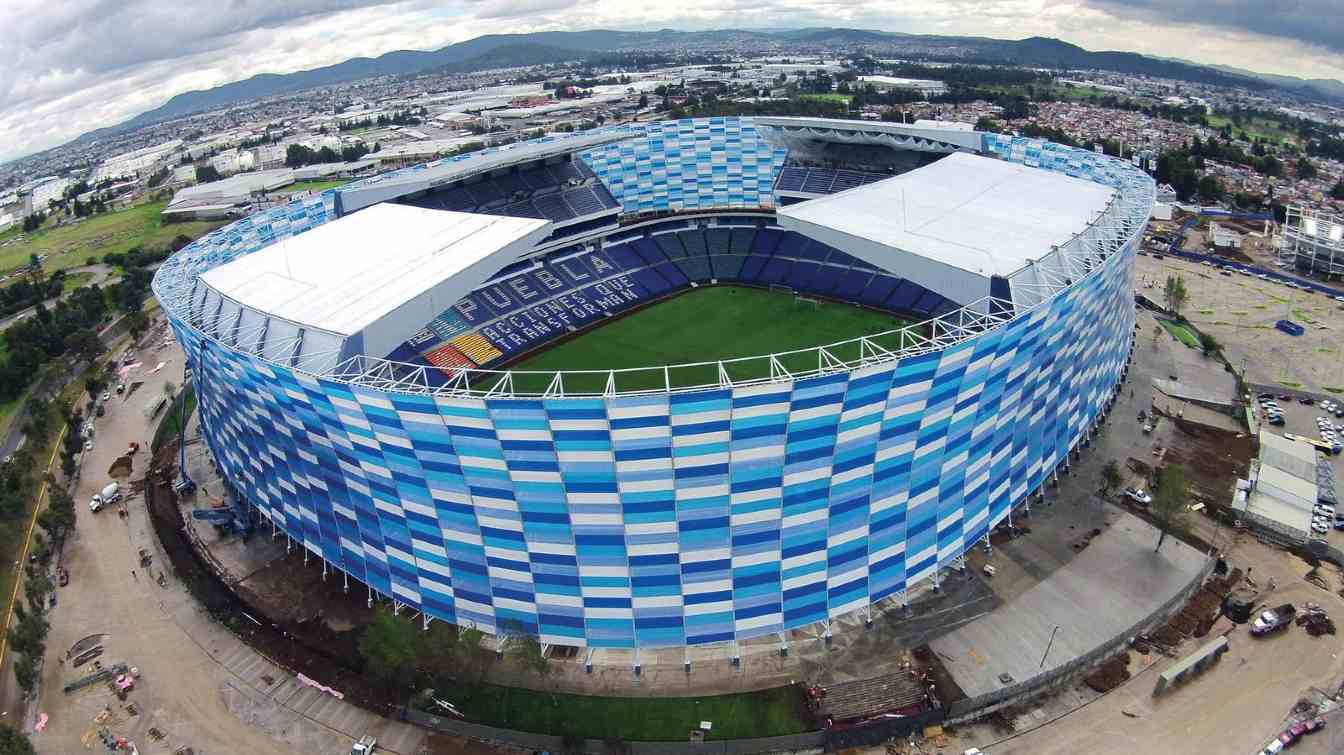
pixel 1116 580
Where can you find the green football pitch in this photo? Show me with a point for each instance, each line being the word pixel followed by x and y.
pixel 703 325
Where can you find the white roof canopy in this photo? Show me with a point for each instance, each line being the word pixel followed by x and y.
pixel 954 223
pixel 361 284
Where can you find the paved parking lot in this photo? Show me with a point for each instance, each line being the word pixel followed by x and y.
pixel 1300 419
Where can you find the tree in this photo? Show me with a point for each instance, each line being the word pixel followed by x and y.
pixel 1169 510
pixel 1305 170
pixel 470 657
pixel 59 516
pixel 207 174
pixel 526 651
pixel 643 100
pixel 388 647
pixel 84 344
pixel 1209 344
pixel 1174 293
pixel 25 673
pixel 1110 477
pixel 1210 190
pixel 1337 191
pixel 14 743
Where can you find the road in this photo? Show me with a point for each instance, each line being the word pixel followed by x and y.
pixel 200 687
pixel 100 274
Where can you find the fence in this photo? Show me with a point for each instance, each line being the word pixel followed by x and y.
pixel 972 708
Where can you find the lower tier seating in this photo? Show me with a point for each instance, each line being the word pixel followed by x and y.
pixel 532 302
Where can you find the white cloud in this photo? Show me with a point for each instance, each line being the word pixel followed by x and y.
pixel 69 67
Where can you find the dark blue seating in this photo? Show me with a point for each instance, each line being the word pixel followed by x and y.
pixel 878 290
pixel 583 201
pixel 649 251
pixel 767 240
pixel 718 240
pixel 776 270
pixel 818 181
pixel 671 245
pixel 791 179
pixel 694 241
pixel 728 266
pixel 553 207
pixel 741 240
pixel 851 283
pixel 625 256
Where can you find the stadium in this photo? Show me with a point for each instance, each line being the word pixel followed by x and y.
pixel 665 384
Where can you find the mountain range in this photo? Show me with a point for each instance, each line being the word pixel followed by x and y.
pixel 505 50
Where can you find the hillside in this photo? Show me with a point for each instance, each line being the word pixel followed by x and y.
pixel 503 50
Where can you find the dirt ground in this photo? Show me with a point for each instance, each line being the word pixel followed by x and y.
pixel 1235 707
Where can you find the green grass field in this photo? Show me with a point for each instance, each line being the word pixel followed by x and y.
pixel 72 245
pixel 1270 130
pixel 707 324
pixel 314 185
pixel 836 97
pixel 769 713
pixel 1181 333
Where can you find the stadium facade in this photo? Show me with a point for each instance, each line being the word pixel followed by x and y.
pixel 676 505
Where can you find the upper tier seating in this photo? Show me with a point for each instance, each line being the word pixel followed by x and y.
pixel 822 180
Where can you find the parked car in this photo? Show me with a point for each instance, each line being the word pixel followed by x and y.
pixel 1273 620
pixel 1138 496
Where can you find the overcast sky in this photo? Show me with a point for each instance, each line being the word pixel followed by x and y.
pixel 73 65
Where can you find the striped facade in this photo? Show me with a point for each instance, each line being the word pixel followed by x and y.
pixel 670 519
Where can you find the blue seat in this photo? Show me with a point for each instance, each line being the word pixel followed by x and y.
pixel 741 240
pixel 819 181
pixel 624 256
pixel 652 282
pixel 905 296
pixel 727 266
pixel 791 179
pixel 852 283
pixel 718 240
pixel 671 245
pixel 776 270
pixel 879 290
pixel 648 251
pixel 767 240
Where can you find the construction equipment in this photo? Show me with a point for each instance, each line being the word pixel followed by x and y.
pixel 96 677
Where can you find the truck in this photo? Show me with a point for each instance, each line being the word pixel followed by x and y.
pixel 1273 620
pixel 364 746
pixel 111 493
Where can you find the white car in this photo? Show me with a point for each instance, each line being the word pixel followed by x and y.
pixel 88 445
pixel 1319 527
pixel 1138 496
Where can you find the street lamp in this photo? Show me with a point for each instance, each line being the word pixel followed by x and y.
pixel 1048 645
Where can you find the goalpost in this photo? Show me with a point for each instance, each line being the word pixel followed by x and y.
pixel 798 298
